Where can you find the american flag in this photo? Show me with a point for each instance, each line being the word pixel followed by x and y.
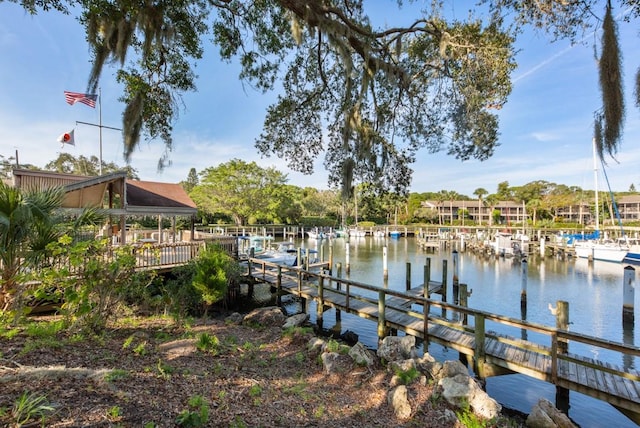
pixel 74 97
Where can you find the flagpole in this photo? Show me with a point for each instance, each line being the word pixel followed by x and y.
pixel 100 126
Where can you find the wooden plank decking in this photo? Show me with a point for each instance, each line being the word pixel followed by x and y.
pixel 402 311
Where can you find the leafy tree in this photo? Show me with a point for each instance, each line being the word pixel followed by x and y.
pixel 239 189
pixel 381 94
pixel 191 181
pixel 68 164
pixel 8 164
pixel 632 188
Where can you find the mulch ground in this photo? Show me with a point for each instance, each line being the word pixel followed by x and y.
pixel 146 373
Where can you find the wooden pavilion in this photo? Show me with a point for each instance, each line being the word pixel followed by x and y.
pixel 118 195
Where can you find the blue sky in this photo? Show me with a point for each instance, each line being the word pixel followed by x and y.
pixel 546 127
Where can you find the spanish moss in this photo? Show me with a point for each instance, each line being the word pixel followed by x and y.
pixel 611 86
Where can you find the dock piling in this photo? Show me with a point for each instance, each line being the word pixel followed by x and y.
pixel 628 295
pixel 385 268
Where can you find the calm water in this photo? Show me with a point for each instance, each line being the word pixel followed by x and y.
pixel 594 294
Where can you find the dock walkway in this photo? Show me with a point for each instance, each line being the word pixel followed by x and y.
pixel 490 354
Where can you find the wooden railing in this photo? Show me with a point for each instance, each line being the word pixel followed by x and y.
pixel 492 353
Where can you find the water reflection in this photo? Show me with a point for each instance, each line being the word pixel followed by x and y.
pixel 593 292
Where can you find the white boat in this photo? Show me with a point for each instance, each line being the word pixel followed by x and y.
pixel 357 233
pixel 609 251
pixel 250 246
pixel 379 233
pixel 599 249
pixel 320 234
pixel 395 234
pixel 285 253
pixel 633 255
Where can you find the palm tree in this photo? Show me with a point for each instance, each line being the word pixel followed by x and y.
pixel 492 200
pixel 26 221
pixel 480 192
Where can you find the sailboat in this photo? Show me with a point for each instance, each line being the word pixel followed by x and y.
pixel 395 233
pixel 598 248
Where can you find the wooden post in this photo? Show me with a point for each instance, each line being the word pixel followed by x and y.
pixel 320 305
pixel 443 291
pixel 346 255
pixel 306 259
pixel 542 249
pixel 427 278
pixel 279 287
pixel 303 301
pixel 523 287
pixel 463 302
pixel 408 276
pixel 479 354
pixel 628 296
pixel 425 307
pixel 628 318
pixel 523 296
pixel 330 258
pixel 385 269
pixel 298 256
pixel 381 316
pixel 456 279
pixel 338 287
pixel 562 323
pixel 456 284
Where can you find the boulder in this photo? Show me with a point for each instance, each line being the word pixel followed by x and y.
pixel 316 345
pixel 395 348
pixel 234 318
pixel 361 355
pixel 271 316
pixel 334 362
pixel 295 321
pixel 397 399
pixel 462 389
pixel 545 415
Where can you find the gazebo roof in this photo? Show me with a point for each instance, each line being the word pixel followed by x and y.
pixel 140 197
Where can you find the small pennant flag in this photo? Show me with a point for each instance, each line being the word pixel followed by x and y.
pixel 67 138
pixel 77 97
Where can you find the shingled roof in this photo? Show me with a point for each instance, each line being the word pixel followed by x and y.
pixel 140 197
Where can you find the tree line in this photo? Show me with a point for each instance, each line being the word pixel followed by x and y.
pixel 243 193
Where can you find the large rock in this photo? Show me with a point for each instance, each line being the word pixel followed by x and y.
pixel 545 415
pixel 316 345
pixel 361 355
pixel 295 321
pixel 462 389
pixel 398 400
pixel 334 362
pixel 395 348
pixel 271 316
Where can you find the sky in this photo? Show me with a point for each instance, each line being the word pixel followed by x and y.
pixel 546 127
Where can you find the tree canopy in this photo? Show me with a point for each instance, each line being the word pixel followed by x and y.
pixel 368 98
pixel 239 189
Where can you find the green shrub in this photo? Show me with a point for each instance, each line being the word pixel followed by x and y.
pixel 197 415
pixel 214 270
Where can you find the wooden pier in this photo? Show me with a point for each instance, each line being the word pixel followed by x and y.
pixel 489 353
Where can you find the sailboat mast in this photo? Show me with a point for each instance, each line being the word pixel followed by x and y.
pixel 595 180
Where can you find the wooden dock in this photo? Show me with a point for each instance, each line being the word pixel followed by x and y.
pixel 489 353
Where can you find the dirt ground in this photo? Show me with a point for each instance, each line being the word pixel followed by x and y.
pixel 145 373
